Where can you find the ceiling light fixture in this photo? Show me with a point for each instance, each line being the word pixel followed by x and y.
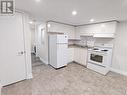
pixel 74 13
pixel 31 22
pixel 92 20
pixel 38 0
pixel 49 25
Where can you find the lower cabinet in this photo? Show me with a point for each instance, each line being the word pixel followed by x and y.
pixel 80 55
pixel 77 55
pixel 70 55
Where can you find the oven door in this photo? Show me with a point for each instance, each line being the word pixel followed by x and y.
pixel 97 58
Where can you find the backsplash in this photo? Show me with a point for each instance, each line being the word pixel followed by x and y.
pixel 89 41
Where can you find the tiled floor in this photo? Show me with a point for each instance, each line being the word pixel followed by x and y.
pixel 71 80
pixel 35 61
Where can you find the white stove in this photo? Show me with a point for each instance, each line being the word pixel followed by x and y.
pixel 100 58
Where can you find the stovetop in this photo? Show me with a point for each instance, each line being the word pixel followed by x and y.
pixel 100 49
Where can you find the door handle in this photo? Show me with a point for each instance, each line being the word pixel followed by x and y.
pixel 21 53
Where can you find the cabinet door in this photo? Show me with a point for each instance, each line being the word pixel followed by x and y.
pixel 70 55
pixel 77 55
pixel 80 55
pixel 83 56
pixel 98 29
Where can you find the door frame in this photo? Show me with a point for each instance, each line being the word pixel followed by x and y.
pixel 27 46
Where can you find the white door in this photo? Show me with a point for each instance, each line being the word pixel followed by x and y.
pixel 12 58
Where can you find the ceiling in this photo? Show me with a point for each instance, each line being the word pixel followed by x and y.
pixel 61 10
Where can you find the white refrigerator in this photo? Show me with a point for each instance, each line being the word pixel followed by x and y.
pixel 58 45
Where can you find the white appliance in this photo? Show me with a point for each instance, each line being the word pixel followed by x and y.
pixel 100 58
pixel 58 45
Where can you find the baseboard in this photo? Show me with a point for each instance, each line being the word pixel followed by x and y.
pixel 30 76
pixel 45 62
pixel 118 71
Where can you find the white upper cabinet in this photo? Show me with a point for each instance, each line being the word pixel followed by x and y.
pixel 61 28
pixel 106 30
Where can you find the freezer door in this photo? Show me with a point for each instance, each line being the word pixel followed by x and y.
pixel 61 55
pixel 62 39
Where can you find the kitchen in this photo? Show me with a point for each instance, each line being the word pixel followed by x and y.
pixel 80 44
pixel 82 38
pixel 80 49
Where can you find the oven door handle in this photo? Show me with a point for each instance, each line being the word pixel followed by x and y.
pixel 97 53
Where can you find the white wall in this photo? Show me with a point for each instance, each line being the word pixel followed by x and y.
pixel 120 49
pixel 42 42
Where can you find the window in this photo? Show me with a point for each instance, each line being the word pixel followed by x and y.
pixel 96 58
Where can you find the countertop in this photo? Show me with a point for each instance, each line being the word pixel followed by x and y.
pixel 76 46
